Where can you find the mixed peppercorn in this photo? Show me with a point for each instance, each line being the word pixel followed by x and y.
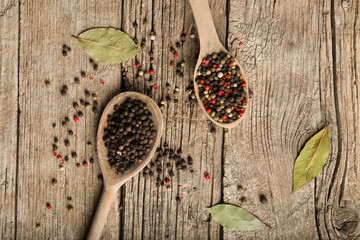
pixel 222 88
pixel 129 135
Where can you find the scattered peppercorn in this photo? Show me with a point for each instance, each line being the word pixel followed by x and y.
pixel 70 208
pixel 80 114
pixel 48 206
pixel 47 83
pixel 83 74
pixel 243 200
pixel 87 93
pixel 64 53
pixel 54 125
pixel 67 119
pixel 96 67
pixel 56 139
pixel 240 188
pixel 70 132
pixel 63 123
pixel 135 24
pixel 75 105
pixel 178 199
pixel 54 182
pixel 66 158
pixel 263 199
pixel 77 80
pixel 66 143
pixel 74 155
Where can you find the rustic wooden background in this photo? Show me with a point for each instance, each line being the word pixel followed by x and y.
pixel 302 64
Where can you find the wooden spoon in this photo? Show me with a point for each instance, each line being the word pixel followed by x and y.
pixel 210 43
pixel 113 181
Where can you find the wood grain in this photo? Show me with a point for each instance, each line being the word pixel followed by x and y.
pixel 146 215
pixel 45 27
pixel 302 64
pixel 9 32
pixel 283 55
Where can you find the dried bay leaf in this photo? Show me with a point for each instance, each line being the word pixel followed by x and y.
pixel 311 159
pixel 235 218
pixel 108 45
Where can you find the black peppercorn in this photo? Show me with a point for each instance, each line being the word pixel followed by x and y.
pixel 70 132
pixel 67 119
pixel 83 74
pixel 87 93
pixel 56 139
pixel 80 113
pixel 67 143
pixel 64 53
pixel 76 80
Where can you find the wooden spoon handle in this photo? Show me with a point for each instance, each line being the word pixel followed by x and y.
pixel 101 213
pixel 209 39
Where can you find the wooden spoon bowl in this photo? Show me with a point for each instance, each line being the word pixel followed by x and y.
pixel 210 43
pixel 113 181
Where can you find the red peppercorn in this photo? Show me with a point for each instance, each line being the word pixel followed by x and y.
pixel 179 186
pixel 232 107
pixel 208 110
pixel 155 87
pixel 207 87
pixel 240 44
pixel 137 64
pixel 244 100
pixel 62 162
pixel 215 65
pixel 48 206
pixel 102 81
pixel 207 63
pixel 78 165
pixel 176 55
pixel 220 92
pixel 182 198
pixel 54 153
pixel 172 64
pixel 204 60
pixel 205 143
pixel 59 156
pixel 167 180
pixel 241 77
pixel 207 176
pixel 223 117
pixel 152 60
pixel 85 163
pixel 213 101
pixel 243 84
pixel 151 72
pixel 76 119
pixel 230 90
pixel 91 78
pixel 158 197
pixel 230 64
pixel 202 81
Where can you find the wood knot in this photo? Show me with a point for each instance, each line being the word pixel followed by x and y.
pixel 346 220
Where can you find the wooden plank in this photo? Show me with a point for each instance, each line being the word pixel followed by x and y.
pixel 151 212
pixel 45 27
pixel 338 188
pixel 9 26
pixel 286 54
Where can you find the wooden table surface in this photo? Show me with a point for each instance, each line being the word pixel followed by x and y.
pixel 302 61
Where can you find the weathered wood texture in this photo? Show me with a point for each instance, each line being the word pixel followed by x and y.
pixel 45 26
pixel 302 64
pixel 152 212
pixel 8 115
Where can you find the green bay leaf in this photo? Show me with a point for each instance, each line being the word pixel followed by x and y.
pixel 311 159
pixel 108 45
pixel 235 218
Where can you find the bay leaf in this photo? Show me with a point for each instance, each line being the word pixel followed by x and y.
pixel 311 159
pixel 235 218
pixel 108 45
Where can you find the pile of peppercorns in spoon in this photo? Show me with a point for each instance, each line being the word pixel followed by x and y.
pixel 129 135
pixel 221 87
